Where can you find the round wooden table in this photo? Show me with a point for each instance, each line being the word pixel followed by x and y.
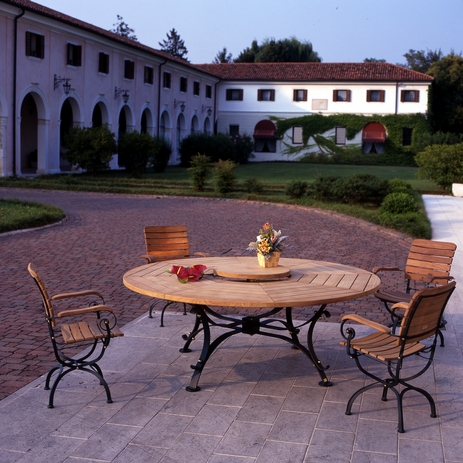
pixel 241 282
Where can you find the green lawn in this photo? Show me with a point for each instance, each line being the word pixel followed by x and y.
pixel 274 177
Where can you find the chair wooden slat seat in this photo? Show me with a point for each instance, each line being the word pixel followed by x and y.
pixel 97 324
pixel 418 334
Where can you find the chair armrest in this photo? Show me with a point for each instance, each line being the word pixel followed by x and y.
pixel 201 254
pixel 149 259
pixel 364 321
pixel 88 292
pixel 386 269
pixel 93 309
pixel 400 305
pixel 430 278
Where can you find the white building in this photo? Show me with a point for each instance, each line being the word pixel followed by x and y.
pixel 57 72
pixel 248 93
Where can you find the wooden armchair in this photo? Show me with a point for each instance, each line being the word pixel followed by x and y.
pixel 89 326
pixel 166 243
pixel 428 264
pixel 417 337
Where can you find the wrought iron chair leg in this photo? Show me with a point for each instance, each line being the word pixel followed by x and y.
pixel 49 375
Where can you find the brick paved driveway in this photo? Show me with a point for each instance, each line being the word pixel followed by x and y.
pixel 102 238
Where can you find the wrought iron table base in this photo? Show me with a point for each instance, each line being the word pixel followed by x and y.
pixel 258 324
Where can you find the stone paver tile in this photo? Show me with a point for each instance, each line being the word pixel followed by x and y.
pixel 305 399
pixel 232 393
pixel 260 409
pixel 332 446
pixel 453 443
pixel 230 459
pixel 244 439
pixel 368 457
pixel 191 447
pixel 162 431
pixel 139 454
pixel 187 403
pixel 282 452
pixel 293 427
pixel 106 443
pixel 213 419
pixel 420 451
pixel 332 417
pixel 138 411
pixel 377 436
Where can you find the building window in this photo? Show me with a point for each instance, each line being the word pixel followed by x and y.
pixel 129 69
pixel 183 84
pixel 103 63
pixel 234 94
pixel 35 45
pixel 234 130
pixel 208 91
pixel 266 95
pixel 407 136
pixel 410 96
pixel 196 88
pixel 376 96
pixel 74 55
pixel 166 80
pixel 148 75
pixel 340 135
pixel 297 135
pixel 341 95
pixel 300 95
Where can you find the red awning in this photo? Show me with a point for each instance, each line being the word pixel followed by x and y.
pixel 264 129
pixel 374 132
pixel 374 137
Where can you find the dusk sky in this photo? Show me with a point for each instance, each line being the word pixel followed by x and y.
pixel 339 30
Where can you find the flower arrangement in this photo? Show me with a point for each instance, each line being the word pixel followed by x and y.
pixel 186 274
pixel 268 241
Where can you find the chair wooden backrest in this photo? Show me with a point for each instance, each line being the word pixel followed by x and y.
pixel 47 305
pixel 167 242
pixel 429 259
pixel 422 317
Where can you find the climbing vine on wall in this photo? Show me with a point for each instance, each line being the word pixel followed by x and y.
pixel 314 125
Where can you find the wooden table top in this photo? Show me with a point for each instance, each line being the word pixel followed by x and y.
pixel 310 283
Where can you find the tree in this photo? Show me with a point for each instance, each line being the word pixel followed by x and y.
pixel 279 51
pixel 374 60
pixel 421 61
pixel 446 96
pixel 122 28
pixel 223 56
pixel 174 45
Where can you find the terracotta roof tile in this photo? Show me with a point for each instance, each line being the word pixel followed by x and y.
pixel 317 72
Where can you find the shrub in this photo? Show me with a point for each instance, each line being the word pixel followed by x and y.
pixel 358 189
pixel 397 185
pixel 437 138
pixel 135 150
pixel 200 170
pixel 399 203
pixel 296 189
pixel 443 164
pixel 91 148
pixel 410 223
pixel 252 185
pixel 161 156
pixel 244 146
pixel 214 146
pixel 322 188
pixel 224 176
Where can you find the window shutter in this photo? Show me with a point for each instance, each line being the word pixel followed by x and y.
pixel 402 96
pixel 347 95
pixel 368 95
pixel 77 55
pixel 335 95
pixel 297 135
pixel 417 96
pixel 382 95
pixel 259 95
pixel 28 43
pixel 41 46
